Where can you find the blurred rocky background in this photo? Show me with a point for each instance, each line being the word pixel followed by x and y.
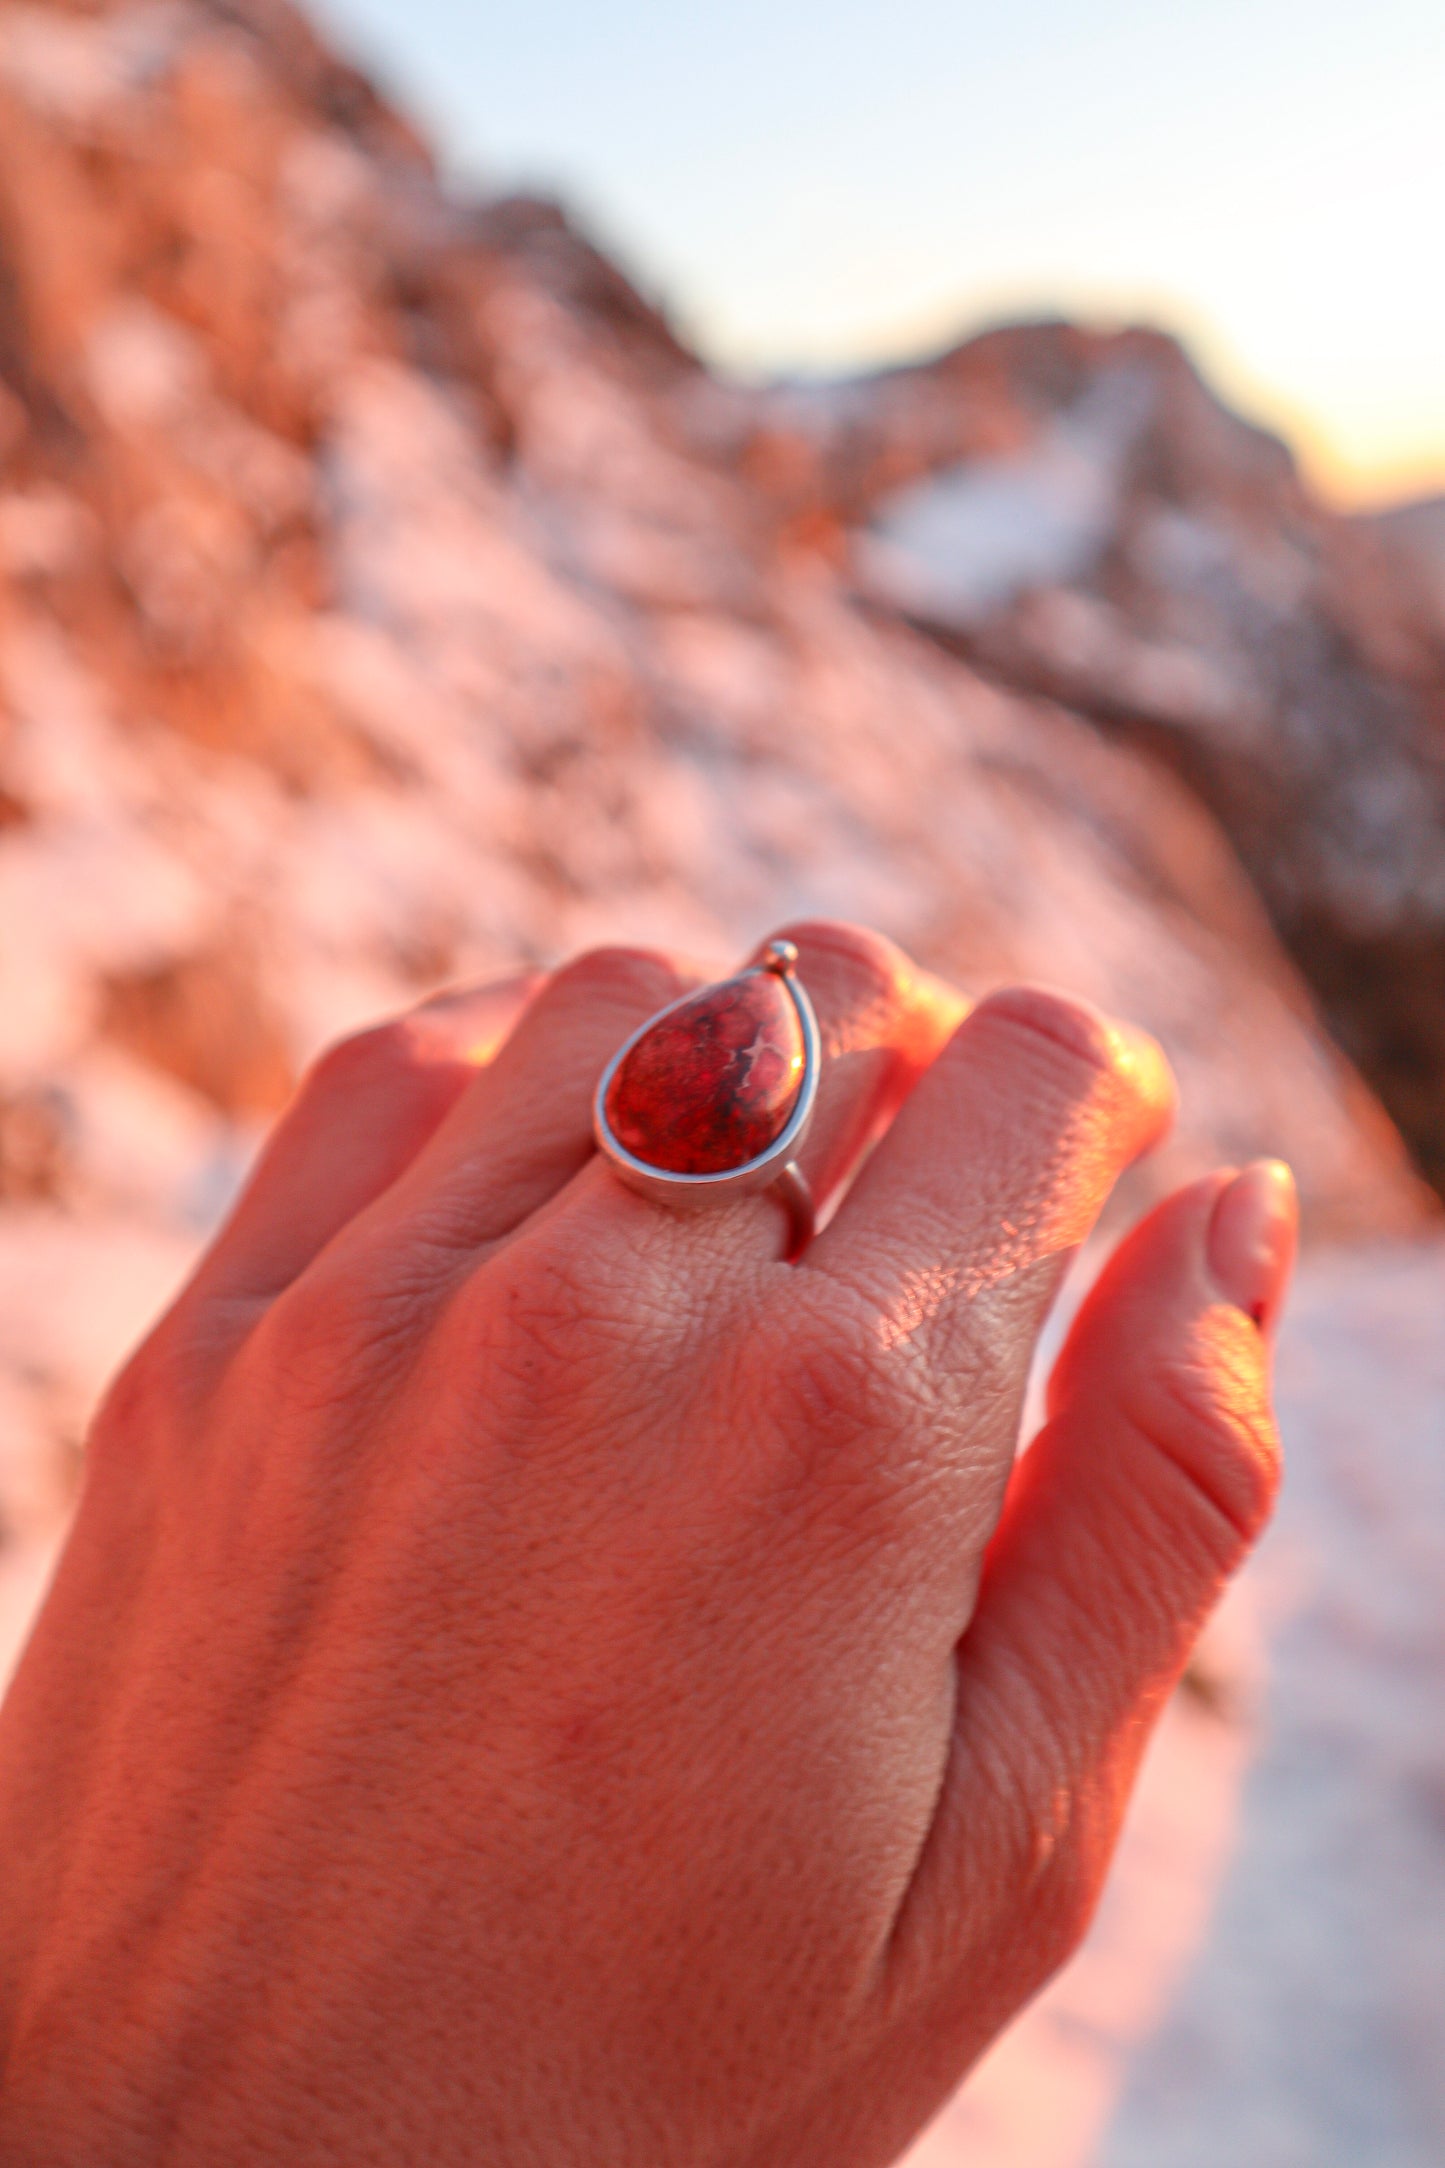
pixel 387 594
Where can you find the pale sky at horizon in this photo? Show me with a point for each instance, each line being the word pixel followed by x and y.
pixel 821 183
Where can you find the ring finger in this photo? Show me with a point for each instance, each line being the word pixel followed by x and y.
pixel 522 1131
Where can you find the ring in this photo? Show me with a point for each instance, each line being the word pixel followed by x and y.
pixel 710 1098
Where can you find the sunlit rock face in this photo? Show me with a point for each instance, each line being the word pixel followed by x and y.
pixel 386 594
pixel 1078 515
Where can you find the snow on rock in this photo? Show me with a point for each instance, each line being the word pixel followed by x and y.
pixel 970 539
pixel 1078 514
pixel 426 620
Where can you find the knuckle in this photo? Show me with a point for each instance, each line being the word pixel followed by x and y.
pixel 160 1393
pixel 855 948
pixel 553 1316
pixel 137 1399
pixel 1072 1038
pixel 1063 1022
pixel 304 1343
pixel 335 1334
pixel 852 1415
pixel 856 977
pixel 1208 1416
pixel 838 1388
pixel 628 979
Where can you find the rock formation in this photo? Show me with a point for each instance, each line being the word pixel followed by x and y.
pixel 1076 514
pixel 385 593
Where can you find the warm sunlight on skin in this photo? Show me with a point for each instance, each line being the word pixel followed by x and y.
pixel 826 187
pixel 524 1682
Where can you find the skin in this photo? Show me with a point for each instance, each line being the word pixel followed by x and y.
pixel 536 1680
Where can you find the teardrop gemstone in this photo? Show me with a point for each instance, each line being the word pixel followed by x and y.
pixel 713 1083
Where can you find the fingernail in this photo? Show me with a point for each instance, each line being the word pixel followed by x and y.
pixel 1252 1239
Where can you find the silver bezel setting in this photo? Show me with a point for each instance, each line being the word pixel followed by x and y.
pixel 780 960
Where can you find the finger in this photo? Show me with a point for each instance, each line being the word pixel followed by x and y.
pixel 881 1021
pixel 524 1130
pixel 523 1127
pixel 363 1112
pixel 1146 1489
pixel 959 1226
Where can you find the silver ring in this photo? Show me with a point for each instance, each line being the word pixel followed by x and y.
pixel 789 1107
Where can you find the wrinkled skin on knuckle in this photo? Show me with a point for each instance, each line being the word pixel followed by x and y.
pixel 969 1329
pixel 823 1384
pixel 336 1335
pixel 1069 1052
pixel 560 1326
pixel 852 1427
pixel 158 1403
pixel 959 1354
pixel 139 1408
pixel 1207 1413
pixel 978 1350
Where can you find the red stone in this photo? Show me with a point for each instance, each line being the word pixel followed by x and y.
pixel 712 1084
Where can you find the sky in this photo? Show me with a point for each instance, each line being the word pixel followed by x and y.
pixel 823 185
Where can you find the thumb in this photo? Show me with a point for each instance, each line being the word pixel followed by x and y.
pixel 1145 1490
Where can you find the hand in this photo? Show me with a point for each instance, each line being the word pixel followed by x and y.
pixel 535 1680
